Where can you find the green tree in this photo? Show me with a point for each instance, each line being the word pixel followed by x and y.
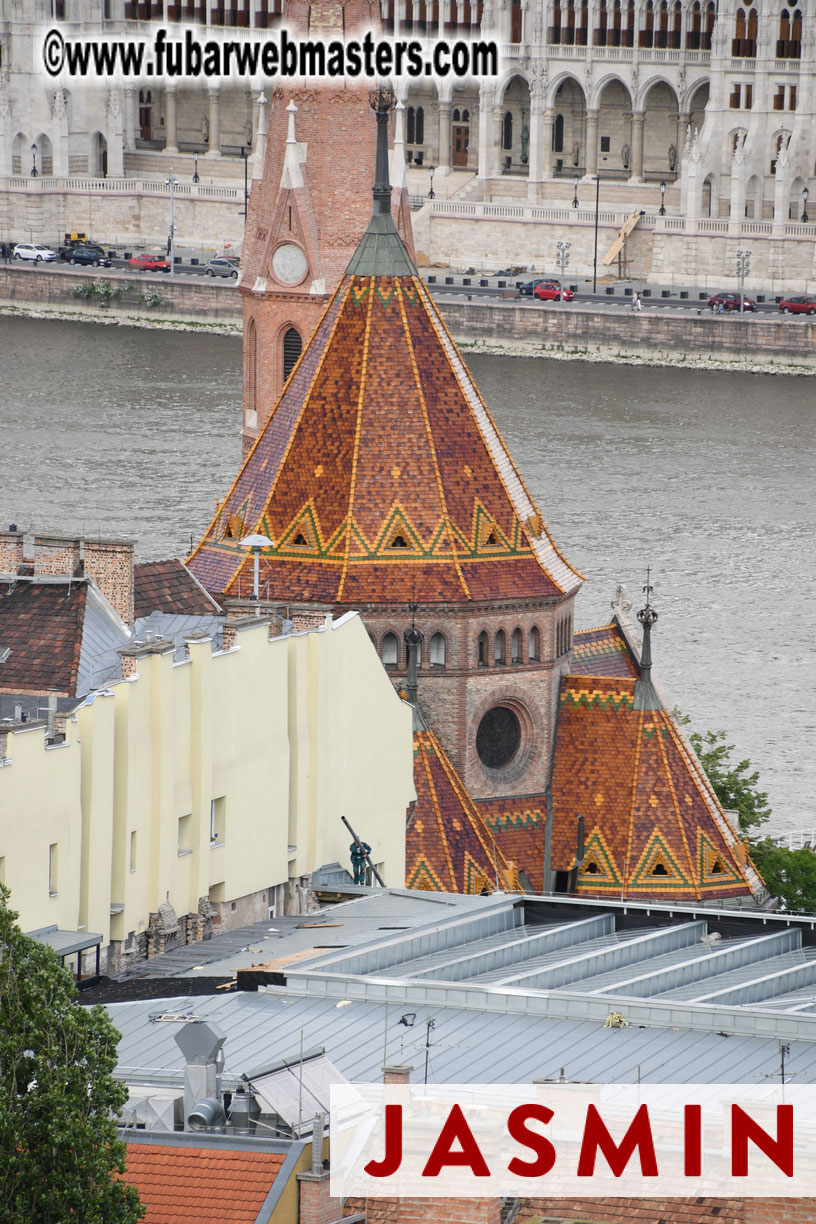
pixel 736 786
pixel 789 874
pixel 58 1141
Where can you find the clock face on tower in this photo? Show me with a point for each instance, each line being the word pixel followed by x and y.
pixel 289 263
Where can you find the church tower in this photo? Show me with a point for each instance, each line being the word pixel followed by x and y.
pixel 309 203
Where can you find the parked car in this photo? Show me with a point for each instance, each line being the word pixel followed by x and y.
pixel 222 265
pixel 529 287
pixel 798 305
pixel 78 253
pixel 34 251
pixel 150 263
pixel 552 291
pixel 731 301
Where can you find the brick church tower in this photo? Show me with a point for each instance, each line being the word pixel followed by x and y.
pixel 310 201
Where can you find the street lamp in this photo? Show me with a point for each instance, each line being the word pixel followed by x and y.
pixel 256 544
pixel 805 194
pixel 575 191
pixel 431 192
pixel 662 199
pixel 743 268
pixel 562 258
pixel 195 168
pixel 34 161
pixel 595 251
pixel 171 240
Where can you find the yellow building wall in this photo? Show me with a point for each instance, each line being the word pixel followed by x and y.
pixel 193 779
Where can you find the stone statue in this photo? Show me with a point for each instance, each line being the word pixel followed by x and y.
pixel 672 157
pixel 525 142
pixel 625 156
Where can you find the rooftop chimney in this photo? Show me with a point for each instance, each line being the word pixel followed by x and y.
pixel 55 554
pixel 110 564
pixel 11 550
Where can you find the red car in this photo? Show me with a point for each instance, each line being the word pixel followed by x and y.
pixel 798 305
pixel 730 301
pixel 150 263
pixel 551 291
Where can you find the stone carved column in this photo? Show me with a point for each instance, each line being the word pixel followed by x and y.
pixel 215 123
pixel 638 121
pixel 591 144
pixel 170 123
pixel 444 156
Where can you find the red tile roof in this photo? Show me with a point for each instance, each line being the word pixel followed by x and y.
pixel 42 624
pixel 448 846
pixel 653 826
pixel 602 652
pixel 168 586
pixel 184 1185
pixel 380 473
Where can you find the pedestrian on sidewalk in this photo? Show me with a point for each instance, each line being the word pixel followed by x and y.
pixel 636 302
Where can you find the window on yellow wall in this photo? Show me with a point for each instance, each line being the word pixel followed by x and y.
pixel 133 850
pixel 53 865
pixel 185 833
pixel 218 815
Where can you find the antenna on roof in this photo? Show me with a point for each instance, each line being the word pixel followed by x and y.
pixel 382 101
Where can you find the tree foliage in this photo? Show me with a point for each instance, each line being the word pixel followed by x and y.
pixel 789 874
pixel 58 1142
pixel 735 785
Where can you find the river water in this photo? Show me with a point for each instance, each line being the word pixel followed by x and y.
pixel 710 478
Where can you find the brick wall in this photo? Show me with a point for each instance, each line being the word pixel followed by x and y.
pixel 110 564
pixel 670 1211
pixel 11 551
pixel 56 555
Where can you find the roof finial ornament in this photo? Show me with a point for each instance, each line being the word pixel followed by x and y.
pixel 382 101
pixel 645 696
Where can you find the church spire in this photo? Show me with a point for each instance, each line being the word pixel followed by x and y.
pixel 381 251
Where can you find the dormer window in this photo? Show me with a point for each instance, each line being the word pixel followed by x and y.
pixel 399 542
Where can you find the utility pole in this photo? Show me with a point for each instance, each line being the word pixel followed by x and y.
pixel 743 268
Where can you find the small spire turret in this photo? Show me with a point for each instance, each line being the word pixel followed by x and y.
pixel 645 696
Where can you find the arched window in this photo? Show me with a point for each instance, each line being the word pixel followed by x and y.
pixel 456 115
pixel 628 38
pixel 533 645
pixel 507 131
pixel 568 31
pixel 437 650
pixel 676 25
pixel 420 125
pixel 601 28
pixel 410 125
pixel 500 647
pixel 466 116
pixel 483 640
pixel 555 28
pixel 710 18
pixel 789 43
pixel 389 650
pixel 646 35
pixel 515 646
pixel 694 28
pixel 516 21
pixel 292 348
pixel 662 31
pixel 582 34
pixel 558 134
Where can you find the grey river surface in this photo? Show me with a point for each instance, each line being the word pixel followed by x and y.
pixel 707 477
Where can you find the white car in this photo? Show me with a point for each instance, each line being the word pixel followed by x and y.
pixel 35 251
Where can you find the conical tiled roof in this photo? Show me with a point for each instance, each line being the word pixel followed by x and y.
pixel 448 846
pixel 380 471
pixel 653 825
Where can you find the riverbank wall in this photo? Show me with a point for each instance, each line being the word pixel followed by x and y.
pixel 567 331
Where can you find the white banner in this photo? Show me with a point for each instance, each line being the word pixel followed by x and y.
pixel 573 1140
